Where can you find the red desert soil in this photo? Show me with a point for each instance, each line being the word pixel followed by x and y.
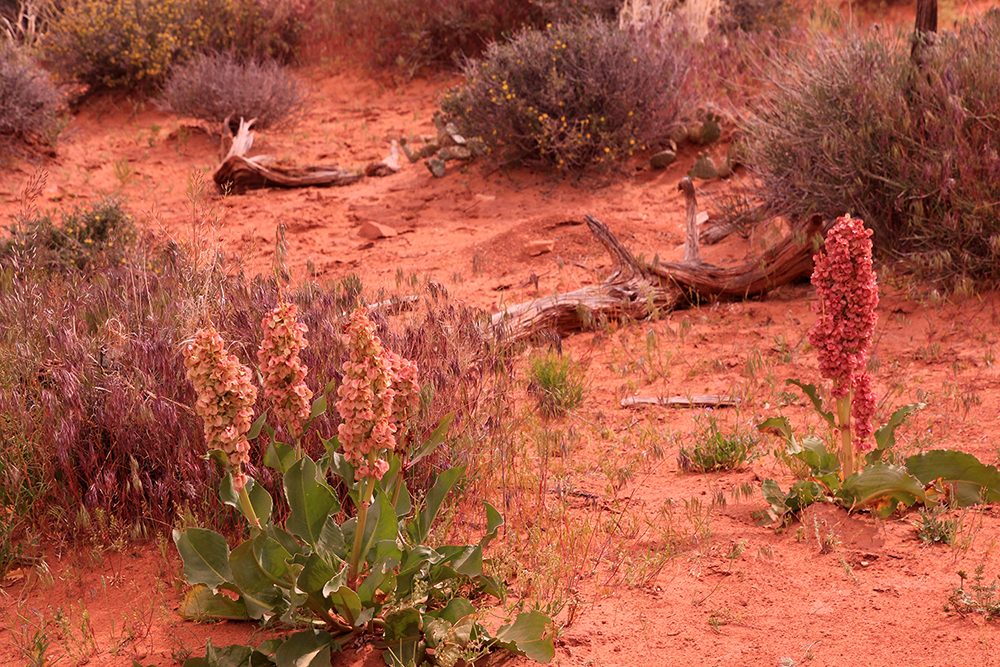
pixel 733 593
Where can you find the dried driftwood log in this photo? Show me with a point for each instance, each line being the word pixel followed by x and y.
pixel 635 290
pixel 238 173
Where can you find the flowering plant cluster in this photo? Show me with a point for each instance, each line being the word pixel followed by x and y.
pixel 847 293
pixel 225 399
pixel 369 575
pixel 282 371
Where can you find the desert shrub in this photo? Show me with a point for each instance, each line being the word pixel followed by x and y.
pixel 558 384
pixel 217 86
pixel 715 451
pixel 89 237
pixel 415 34
pixel 133 43
pixel 573 96
pixel 29 103
pixel 915 152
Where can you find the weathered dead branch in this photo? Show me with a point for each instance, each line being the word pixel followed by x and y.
pixel 238 173
pixel 634 290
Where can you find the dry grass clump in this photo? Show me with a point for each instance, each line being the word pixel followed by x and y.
pixel 914 151
pixel 217 86
pixel 29 102
pixel 573 96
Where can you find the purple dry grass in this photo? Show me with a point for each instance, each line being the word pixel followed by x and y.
pixel 29 102
pixel 92 354
pixel 915 152
pixel 214 87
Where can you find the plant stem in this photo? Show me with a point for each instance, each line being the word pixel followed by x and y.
pixel 846 446
pixel 359 530
pixel 248 508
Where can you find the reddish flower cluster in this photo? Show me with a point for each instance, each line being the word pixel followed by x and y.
pixel 863 411
pixel 373 379
pixel 848 296
pixel 225 398
pixel 282 371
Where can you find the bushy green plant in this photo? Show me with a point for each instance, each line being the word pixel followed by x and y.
pixel 714 450
pixel 856 466
pixel 133 43
pixel 854 124
pixel 338 573
pixel 88 237
pixel 218 86
pixel 572 96
pixel 29 102
pixel 558 384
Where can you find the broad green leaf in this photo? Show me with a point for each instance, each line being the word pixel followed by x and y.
pixel 885 437
pixel 420 527
pixel 309 648
pixel 279 456
pixel 529 635
pixel 318 407
pixel 202 603
pixel 403 638
pixel 331 541
pixel 205 555
pixel 810 391
pixel 310 501
pixel 234 655
pixel 261 596
pixel 455 610
pixel 272 559
pixel 784 429
pixel 347 603
pixel 971 481
pixel 257 426
pixel 882 485
pixel 315 574
pixel 389 481
pixel 380 524
pixel 494 522
pixel 285 539
pixel 436 438
pixel 260 499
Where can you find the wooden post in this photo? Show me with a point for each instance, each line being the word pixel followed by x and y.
pixel 924 29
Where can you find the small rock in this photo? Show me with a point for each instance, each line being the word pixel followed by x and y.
pixel 663 159
pixel 454 153
pixel 485 198
pixel 374 230
pixel 436 166
pixel 704 169
pixel 702 218
pixel 535 248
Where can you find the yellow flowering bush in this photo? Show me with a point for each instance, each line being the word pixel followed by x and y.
pixel 133 43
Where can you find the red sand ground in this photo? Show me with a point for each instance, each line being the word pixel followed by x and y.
pixel 734 593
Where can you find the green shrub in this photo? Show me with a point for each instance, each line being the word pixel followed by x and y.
pixel 87 238
pixel 29 103
pixel 856 126
pixel 714 450
pixel 133 43
pixel 558 384
pixel 570 97
pixel 219 86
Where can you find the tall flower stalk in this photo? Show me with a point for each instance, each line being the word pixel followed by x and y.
pixel 373 377
pixel 225 404
pixel 282 370
pixel 848 296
